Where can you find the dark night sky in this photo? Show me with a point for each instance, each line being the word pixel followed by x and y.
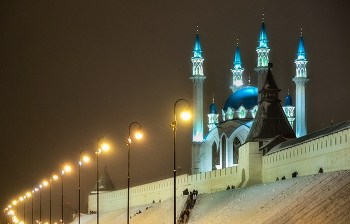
pixel 72 71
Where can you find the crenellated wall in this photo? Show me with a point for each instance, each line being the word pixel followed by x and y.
pixel 208 182
pixel 331 152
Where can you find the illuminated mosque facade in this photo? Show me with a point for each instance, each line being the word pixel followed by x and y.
pixel 253 143
pixel 218 149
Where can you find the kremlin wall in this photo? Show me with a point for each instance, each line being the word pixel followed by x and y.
pixel 328 148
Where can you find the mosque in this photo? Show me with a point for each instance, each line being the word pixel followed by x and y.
pixel 219 148
pixel 254 142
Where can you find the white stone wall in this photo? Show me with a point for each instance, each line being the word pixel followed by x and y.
pixel 207 182
pixel 331 152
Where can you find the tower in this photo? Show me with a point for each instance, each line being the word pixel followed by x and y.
pixel 270 120
pixel 289 109
pixel 300 80
pixel 197 78
pixel 213 116
pixel 237 71
pixel 263 57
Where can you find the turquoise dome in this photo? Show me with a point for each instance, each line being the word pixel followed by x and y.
pixel 247 97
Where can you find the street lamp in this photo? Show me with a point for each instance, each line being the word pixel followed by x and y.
pixel 185 116
pixel 105 147
pixel 55 177
pixel 65 168
pixel 138 135
pixel 42 183
pixel 33 191
pixel 85 159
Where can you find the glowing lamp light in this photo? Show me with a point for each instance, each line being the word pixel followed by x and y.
pixel 105 147
pixel 45 183
pixel 28 194
pixel 14 202
pixel 185 115
pixel 86 159
pixel 138 135
pixel 21 198
pixel 67 168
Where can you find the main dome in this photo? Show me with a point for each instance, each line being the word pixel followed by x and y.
pixel 247 97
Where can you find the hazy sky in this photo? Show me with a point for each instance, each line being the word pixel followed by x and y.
pixel 73 71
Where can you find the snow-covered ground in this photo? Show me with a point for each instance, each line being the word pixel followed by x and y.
pixel 320 198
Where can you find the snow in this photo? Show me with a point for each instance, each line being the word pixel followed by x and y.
pixel 320 198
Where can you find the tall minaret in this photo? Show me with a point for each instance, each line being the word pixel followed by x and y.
pixel 300 80
pixel 213 116
pixel 197 78
pixel 237 71
pixel 263 57
pixel 289 109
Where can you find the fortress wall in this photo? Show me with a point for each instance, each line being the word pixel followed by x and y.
pixel 207 182
pixel 330 152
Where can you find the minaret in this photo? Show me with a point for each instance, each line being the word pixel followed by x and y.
pixel 263 57
pixel 300 80
pixel 289 109
pixel 237 71
pixel 213 116
pixel 197 78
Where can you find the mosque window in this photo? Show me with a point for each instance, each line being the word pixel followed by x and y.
pixel 223 148
pixel 215 156
pixel 236 145
pixel 241 112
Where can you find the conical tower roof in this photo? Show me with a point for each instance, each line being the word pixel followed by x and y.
pixel 105 183
pixel 270 120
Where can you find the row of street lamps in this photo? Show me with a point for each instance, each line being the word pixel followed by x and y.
pixel 83 157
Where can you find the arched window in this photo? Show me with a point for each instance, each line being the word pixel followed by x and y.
pixel 215 156
pixel 223 148
pixel 236 145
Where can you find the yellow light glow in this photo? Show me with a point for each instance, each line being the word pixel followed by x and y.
pixel 14 202
pixel 138 135
pixel 55 177
pixel 45 183
pixel 105 147
pixel 28 194
pixel 11 212
pixel 67 168
pixel 21 198
pixel 185 115
pixel 86 159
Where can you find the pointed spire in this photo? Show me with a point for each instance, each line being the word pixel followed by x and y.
pixel 212 109
pixel 263 39
pixel 301 50
pixel 197 53
pixel 237 63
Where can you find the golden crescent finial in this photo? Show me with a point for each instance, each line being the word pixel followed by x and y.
pixel 263 15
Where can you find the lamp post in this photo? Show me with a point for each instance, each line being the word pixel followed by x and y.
pixel 128 143
pixel 64 169
pixel 41 187
pixel 184 116
pixel 85 159
pixel 98 152
pixel 55 178
pixel 33 191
